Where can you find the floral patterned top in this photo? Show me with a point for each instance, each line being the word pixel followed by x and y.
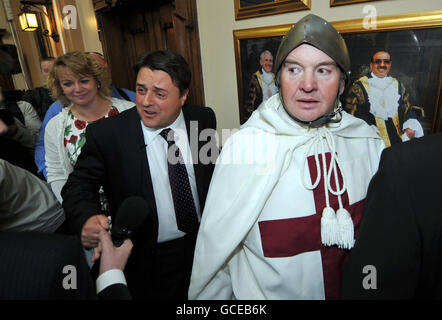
pixel 75 134
pixel 74 140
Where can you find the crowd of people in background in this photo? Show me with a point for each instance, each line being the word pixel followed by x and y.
pixel 75 149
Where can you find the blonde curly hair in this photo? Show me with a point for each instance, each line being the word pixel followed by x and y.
pixel 83 65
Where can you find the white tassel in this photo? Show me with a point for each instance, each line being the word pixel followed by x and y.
pixel 346 229
pixel 329 227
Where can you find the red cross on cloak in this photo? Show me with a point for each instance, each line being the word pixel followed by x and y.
pixel 290 237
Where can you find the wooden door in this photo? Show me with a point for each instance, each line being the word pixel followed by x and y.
pixel 129 28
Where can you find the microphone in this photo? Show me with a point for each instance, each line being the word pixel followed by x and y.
pixel 131 214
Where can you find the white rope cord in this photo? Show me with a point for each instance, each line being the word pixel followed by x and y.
pixel 336 229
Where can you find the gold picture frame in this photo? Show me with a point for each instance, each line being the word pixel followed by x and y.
pixel 267 8
pixel 437 119
pixel 246 41
pixel 335 3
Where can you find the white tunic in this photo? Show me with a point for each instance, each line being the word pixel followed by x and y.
pixel 259 178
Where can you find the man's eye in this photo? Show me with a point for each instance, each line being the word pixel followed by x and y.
pixel 324 71
pixel 294 70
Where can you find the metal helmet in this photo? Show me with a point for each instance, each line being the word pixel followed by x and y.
pixel 319 33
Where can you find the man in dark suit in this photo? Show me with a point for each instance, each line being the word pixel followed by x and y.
pixel 44 266
pixel 398 251
pixel 135 154
pixel 51 266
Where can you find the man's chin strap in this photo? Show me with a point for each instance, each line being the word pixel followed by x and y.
pixel 324 119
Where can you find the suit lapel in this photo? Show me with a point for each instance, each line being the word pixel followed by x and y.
pixel 140 163
pixel 195 146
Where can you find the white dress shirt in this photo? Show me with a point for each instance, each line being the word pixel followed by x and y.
pixel 108 278
pixel 156 149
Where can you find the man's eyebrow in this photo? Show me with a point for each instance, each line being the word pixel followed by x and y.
pixel 154 87
pixel 321 63
pixel 159 89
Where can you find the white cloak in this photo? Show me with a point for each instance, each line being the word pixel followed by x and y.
pixel 258 177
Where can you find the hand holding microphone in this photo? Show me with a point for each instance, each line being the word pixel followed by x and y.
pixel 91 230
pixel 131 214
pixel 113 257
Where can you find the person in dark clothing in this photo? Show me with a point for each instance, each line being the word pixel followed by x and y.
pixel 40 97
pixel 19 124
pixel 398 251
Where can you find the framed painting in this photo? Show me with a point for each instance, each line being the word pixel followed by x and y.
pixel 249 45
pixel 413 40
pixel 245 9
pixel 437 119
pixel 335 3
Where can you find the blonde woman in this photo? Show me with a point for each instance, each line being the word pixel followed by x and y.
pixel 81 83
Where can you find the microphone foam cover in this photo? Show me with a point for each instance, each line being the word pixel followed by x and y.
pixel 132 213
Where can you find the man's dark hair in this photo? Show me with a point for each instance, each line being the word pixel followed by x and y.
pixel 171 63
pixel 380 50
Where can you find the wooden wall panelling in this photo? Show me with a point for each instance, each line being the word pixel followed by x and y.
pixel 168 28
pixel 187 40
pixel 6 82
pixel 155 36
pixel 115 51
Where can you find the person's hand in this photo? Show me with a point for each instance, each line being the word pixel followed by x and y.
pixel 90 234
pixel 3 128
pixel 6 130
pixel 112 257
pixel 12 130
pixel 410 133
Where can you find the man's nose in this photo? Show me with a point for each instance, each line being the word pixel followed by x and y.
pixel 308 81
pixel 147 100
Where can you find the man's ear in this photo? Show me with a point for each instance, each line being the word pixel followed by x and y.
pixel 341 87
pixel 183 97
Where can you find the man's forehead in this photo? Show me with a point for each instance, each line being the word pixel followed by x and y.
pixel 381 54
pixel 155 79
pixel 306 52
pixel 302 48
pixel 146 73
pixel 267 56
